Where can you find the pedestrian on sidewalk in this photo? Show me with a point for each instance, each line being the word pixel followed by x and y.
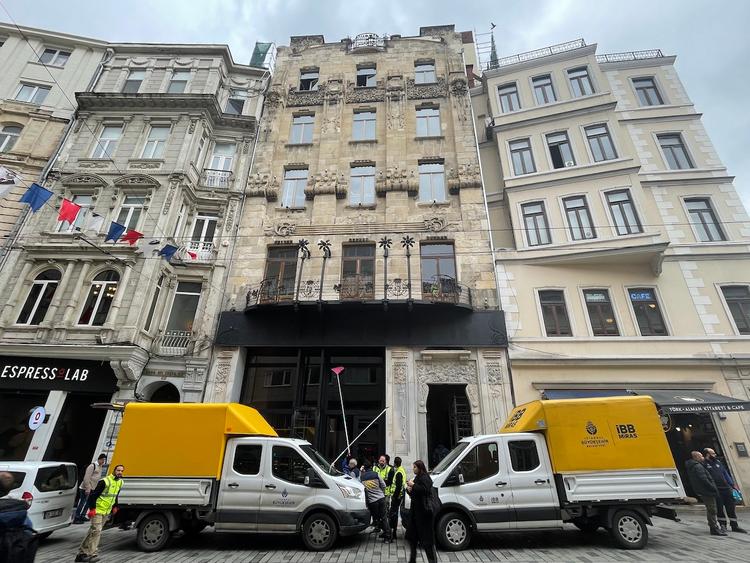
pixel 91 477
pixel 102 501
pixel 397 498
pixel 705 488
pixel 18 541
pixel 375 499
pixel 351 469
pixel 724 482
pixel 421 528
pixel 385 471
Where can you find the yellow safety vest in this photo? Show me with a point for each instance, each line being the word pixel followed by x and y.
pixel 383 473
pixel 400 470
pixel 106 500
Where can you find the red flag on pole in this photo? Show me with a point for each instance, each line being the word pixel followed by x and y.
pixel 68 211
pixel 131 237
pixel 337 370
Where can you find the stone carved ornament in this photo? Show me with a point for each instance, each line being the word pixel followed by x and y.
pixel 396 179
pixel 438 89
pixel 399 374
pixel 446 371
pixel 263 185
pixel 436 224
pixel 464 177
pixel 283 229
pixel 326 183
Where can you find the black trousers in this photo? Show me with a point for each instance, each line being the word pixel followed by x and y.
pixel 725 509
pixel 393 510
pixel 379 517
pixel 429 551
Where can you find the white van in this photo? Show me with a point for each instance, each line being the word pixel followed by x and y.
pixel 49 488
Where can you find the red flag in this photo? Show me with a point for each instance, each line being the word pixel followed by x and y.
pixel 193 255
pixel 131 237
pixel 337 370
pixel 68 211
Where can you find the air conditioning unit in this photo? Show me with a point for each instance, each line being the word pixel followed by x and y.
pixel 569 163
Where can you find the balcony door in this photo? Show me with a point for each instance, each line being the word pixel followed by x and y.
pixel 439 282
pixel 358 271
pixel 281 273
pixel 202 241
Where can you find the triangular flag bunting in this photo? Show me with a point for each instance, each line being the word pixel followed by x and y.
pixel 68 211
pixel 193 255
pixel 115 232
pixel 7 176
pixel 131 237
pixel 168 251
pixel 94 222
pixel 36 196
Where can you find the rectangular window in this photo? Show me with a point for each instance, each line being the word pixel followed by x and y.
pixel 54 57
pixel 179 81
pixel 623 212
pixel 236 101
pixel 295 182
pixel 523 455
pixel 439 281
pixel 601 313
pixel 543 90
pixel 579 218
pixel 281 269
pixel 509 100
pixel 704 220
pixel 366 76
pixel 32 94
pixel 130 212
pixel 134 81
pixel 107 143
pixel 482 462
pixel 179 223
pixel 363 126
pixel 647 311
pixel 523 159
pixel 302 129
pixel 428 122
pixel 204 228
pixel 154 303
pixel 535 223
pixel 157 140
pixel 738 302
pixel 580 82
pixel 247 459
pixel 600 143
pixel 424 73
pixel 308 80
pixel 358 272
pixel 554 313
pixel 647 92
pixel 362 189
pixel 184 307
pixel 85 201
pixel 674 151
pixel 560 150
pixel 223 156
pixel 432 182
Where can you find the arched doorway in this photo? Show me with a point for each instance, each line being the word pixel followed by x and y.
pixel 164 393
pixel 449 419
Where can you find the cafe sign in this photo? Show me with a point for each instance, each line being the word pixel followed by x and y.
pixel 49 374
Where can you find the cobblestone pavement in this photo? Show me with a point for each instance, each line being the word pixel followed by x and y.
pixel 687 540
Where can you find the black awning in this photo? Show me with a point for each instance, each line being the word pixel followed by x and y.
pixel 582 393
pixel 676 401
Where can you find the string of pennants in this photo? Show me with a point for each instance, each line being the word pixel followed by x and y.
pixel 36 196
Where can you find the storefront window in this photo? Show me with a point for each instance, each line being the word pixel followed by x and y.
pixel 15 435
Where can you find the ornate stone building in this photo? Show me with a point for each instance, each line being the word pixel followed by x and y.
pixel 363 244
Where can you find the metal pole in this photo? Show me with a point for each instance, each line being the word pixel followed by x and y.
pixel 338 371
pixel 358 436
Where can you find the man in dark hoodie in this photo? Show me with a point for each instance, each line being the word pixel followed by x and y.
pixel 725 484
pixel 375 499
pixel 705 488
pixel 17 538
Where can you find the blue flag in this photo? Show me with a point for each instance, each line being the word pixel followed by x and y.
pixel 36 196
pixel 115 232
pixel 168 251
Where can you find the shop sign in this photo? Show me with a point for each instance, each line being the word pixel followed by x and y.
pixel 50 374
pixel 36 418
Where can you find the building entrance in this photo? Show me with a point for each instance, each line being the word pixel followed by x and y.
pixel 443 432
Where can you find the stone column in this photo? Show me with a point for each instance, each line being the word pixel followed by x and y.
pixel 59 293
pixel 12 301
pixel 119 296
pixel 72 305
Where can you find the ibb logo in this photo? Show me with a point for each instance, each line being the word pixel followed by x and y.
pixel 626 430
pixel 515 418
pixel 590 428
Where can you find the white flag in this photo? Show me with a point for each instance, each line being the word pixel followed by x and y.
pixel 94 222
pixel 7 176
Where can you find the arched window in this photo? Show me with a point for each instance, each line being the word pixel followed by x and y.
pixel 99 300
pixel 39 299
pixel 8 137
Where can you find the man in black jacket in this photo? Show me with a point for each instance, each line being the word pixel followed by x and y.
pixel 705 488
pixel 725 484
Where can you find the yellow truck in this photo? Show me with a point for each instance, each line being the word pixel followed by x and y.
pixel 188 466
pixel 595 463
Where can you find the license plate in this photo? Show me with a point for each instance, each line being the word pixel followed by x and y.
pixel 53 513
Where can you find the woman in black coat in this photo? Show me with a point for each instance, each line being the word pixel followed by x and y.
pixel 421 528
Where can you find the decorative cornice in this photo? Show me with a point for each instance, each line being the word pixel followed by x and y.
pixel 438 89
pixel 263 185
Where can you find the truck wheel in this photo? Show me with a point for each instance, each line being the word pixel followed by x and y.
pixel 629 530
pixel 453 532
pixel 319 532
pixel 587 525
pixel 153 532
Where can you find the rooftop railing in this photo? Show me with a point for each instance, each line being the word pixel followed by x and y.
pixel 536 54
pixel 629 56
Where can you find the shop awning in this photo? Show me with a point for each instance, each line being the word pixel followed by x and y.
pixel 582 393
pixel 675 401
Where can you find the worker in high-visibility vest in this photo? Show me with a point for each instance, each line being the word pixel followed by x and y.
pixel 385 472
pixel 397 497
pixel 102 501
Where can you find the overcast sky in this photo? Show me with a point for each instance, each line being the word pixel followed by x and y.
pixel 710 38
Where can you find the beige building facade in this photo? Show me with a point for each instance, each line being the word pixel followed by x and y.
pixel 622 248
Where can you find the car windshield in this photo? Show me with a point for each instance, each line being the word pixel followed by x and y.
pixel 447 460
pixel 319 460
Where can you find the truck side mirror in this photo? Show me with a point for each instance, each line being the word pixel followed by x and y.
pixel 461 478
pixel 453 479
pixel 312 479
pixel 307 480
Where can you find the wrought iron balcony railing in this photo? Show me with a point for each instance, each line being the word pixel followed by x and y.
pixel 629 56
pixel 218 179
pixel 174 342
pixel 536 54
pixel 445 289
pixel 203 250
pixel 356 287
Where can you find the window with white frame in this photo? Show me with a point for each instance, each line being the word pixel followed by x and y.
pixel 428 122
pixel 543 90
pixel 704 220
pixel 647 311
pixel 133 81
pixel 601 313
pixel 647 92
pixel 204 228
pixel 99 300
pixel 432 181
pixel 674 151
pixel 40 297
pixel 579 218
pixel 32 93
pixel 156 141
pixel 424 73
pixel 623 212
pixel 362 188
pixel 308 80
pixel 535 223
pixel 737 298
pixel 54 57
pixel 201 148
pixel 509 100
pixel 179 223
pixel 600 142
pixel 302 129
pixel 8 137
pixel 106 144
pixel 130 211
pixel 85 201
pixel 521 156
pixel 185 305
pixel 223 156
pixel 178 82
pixel 236 101
pixel 154 303
pixel 295 182
pixel 580 82
pixel 366 76
pixel 560 151
pixel 363 125
pixel 554 313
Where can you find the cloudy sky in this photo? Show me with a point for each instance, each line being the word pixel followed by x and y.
pixel 710 38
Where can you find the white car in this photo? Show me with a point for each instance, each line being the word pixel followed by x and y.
pixel 49 488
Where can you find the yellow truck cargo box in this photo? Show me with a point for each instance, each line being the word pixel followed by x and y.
pixel 600 434
pixel 182 439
